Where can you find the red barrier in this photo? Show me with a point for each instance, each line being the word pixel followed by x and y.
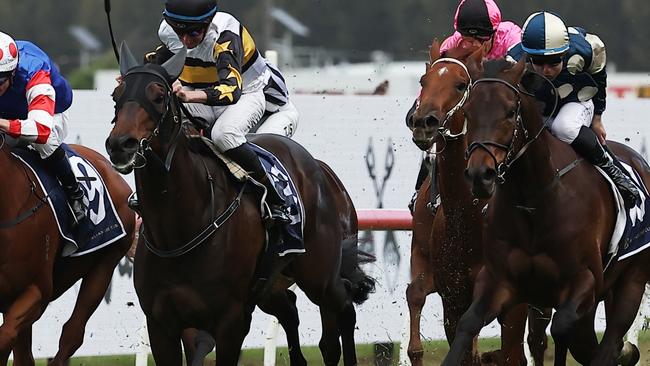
pixel 385 219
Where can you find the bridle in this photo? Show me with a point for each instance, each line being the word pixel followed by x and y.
pixel 511 154
pixel 171 105
pixel 443 130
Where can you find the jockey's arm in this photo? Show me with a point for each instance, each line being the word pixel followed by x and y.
pixel 228 54
pixel 40 96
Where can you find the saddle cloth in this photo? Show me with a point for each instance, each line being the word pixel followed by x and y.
pixel 276 172
pixel 103 225
pixel 632 229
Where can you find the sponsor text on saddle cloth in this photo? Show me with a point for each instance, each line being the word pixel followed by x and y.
pixel 275 171
pixel 103 225
pixel 632 229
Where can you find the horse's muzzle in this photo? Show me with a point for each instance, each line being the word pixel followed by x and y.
pixel 122 152
pixel 424 137
pixel 482 180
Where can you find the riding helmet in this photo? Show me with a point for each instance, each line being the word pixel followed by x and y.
pixel 544 34
pixel 190 11
pixel 8 54
pixel 477 18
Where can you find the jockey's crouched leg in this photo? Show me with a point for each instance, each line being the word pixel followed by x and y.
pixel 250 162
pixel 60 165
pixel 587 145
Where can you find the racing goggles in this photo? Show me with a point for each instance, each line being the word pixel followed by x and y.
pixel 552 60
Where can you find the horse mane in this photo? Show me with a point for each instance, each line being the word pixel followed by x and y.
pixel 494 68
pixel 459 53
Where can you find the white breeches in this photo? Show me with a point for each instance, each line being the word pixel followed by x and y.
pixel 572 116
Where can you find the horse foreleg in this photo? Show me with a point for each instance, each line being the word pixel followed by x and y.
pixel 581 301
pixel 627 296
pixel 490 300
pixel 23 349
pixel 282 305
pixel 25 310
pixel 416 294
pixel 92 290
pixel 197 344
pixel 165 345
pixel 513 327
pixel 232 327
pixel 538 321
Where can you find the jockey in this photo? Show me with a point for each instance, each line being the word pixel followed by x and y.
pixel 227 83
pixel 574 61
pixel 34 99
pixel 476 22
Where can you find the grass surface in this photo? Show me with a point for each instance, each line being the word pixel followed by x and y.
pixel 434 352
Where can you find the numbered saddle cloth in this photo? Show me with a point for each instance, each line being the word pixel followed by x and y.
pixel 103 226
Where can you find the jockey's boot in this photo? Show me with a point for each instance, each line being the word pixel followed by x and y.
pixel 59 164
pixel 248 160
pixel 425 170
pixel 587 145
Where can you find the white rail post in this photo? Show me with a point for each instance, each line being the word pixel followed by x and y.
pixel 142 354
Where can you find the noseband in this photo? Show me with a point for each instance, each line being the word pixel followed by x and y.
pixel 140 77
pixel 511 154
pixel 443 130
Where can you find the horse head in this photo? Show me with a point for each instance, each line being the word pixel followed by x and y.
pixel 496 132
pixel 145 107
pixel 445 88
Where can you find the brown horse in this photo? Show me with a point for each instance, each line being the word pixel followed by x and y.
pixel 207 284
pixel 446 250
pixel 33 273
pixel 548 224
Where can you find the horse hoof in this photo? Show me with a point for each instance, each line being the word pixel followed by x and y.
pixel 630 355
pixel 491 358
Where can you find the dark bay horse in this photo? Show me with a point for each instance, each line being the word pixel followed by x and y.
pixel 447 251
pixel 183 190
pixel 32 273
pixel 548 225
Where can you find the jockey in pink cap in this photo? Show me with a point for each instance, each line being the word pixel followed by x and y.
pixel 479 21
pixel 476 22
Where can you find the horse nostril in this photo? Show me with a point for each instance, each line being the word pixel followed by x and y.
pixel 431 121
pixel 489 175
pixel 130 144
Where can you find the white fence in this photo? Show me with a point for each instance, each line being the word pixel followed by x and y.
pixel 339 130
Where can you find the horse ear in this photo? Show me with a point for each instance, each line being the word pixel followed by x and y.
pixel 127 61
pixel 475 63
pixel 434 51
pixel 174 66
pixel 517 71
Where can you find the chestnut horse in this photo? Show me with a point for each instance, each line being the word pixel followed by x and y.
pixel 33 273
pixel 548 225
pixel 446 251
pixel 185 193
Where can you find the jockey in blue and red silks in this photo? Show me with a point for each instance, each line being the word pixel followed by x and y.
pixel 476 22
pixel 34 99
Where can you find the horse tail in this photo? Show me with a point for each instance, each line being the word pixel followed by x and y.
pixel 361 285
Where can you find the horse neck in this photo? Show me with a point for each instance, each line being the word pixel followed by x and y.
pixel 454 191
pixel 176 204
pixel 534 170
pixel 14 181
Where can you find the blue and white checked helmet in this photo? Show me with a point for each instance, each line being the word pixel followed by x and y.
pixel 544 34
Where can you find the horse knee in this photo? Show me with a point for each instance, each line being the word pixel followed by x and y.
pixel 72 336
pixel 563 322
pixel 415 295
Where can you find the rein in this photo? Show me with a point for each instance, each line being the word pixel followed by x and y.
pixel 511 154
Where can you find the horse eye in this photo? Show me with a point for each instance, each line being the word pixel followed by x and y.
pixel 159 99
pixel 511 114
pixel 461 87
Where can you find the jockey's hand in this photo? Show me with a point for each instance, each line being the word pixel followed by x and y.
pixel 119 79
pixel 4 125
pixel 599 129
pixel 189 96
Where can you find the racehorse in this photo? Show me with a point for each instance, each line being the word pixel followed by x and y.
pixel 33 273
pixel 447 250
pixel 183 189
pixel 548 226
